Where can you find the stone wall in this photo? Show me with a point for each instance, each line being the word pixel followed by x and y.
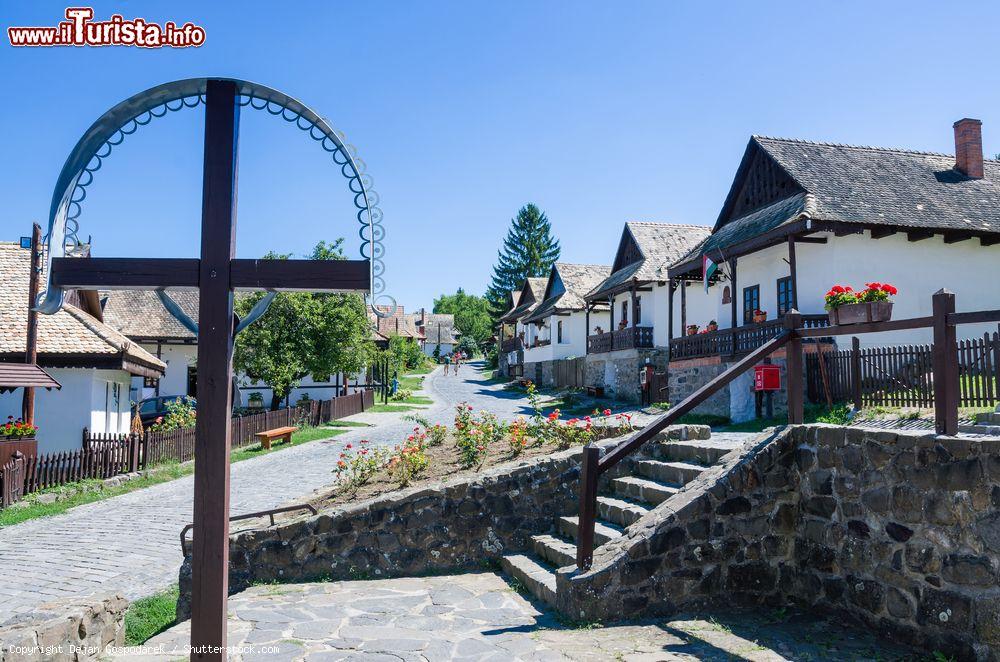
pixel 618 372
pixel 540 372
pixel 898 530
pixel 460 523
pixel 70 629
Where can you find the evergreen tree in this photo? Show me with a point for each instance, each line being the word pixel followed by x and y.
pixel 528 251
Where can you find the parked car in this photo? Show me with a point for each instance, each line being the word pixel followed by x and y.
pixel 152 408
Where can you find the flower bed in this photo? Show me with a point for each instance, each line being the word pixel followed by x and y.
pixel 476 441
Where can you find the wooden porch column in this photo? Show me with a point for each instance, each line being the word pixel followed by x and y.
pixel 586 317
pixel 793 272
pixel 210 556
pixel 31 346
pixel 684 306
pixel 635 305
pixel 670 311
pixel 737 296
pixel 793 369
pixel 611 329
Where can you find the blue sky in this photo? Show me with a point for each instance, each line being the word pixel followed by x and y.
pixel 599 112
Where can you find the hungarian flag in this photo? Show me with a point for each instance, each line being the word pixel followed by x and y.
pixel 707 269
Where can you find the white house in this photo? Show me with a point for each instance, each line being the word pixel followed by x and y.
pixel 558 326
pixel 140 315
pixel 513 332
pixel 94 363
pixel 437 332
pixel 803 216
pixel 635 295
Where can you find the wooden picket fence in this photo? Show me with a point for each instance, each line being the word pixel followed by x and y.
pixel 902 375
pixel 104 456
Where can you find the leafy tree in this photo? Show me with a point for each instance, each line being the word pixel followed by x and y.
pixel 403 354
pixel 304 333
pixel 469 346
pixel 528 251
pixel 472 314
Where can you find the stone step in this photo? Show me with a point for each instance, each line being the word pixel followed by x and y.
pixel 672 473
pixel 992 418
pixel 705 453
pixel 557 551
pixel 539 580
pixel 988 430
pixel 603 531
pixel 621 512
pixel 643 489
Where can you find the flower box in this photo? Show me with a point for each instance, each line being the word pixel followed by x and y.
pixel 861 313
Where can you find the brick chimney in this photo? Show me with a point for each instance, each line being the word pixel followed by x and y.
pixel 969 147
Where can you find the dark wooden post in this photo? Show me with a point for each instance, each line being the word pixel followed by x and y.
pixel 586 324
pixel 945 360
pixel 793 272
pixel 611 323
pixel 793 367
pixel 856 372
pixel 31 346
pixel 210 553
pixel 635 306
pixel 684 307
pixel 589 474
pixel 735 296
pixel 671 286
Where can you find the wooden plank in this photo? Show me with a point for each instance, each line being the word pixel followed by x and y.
pixel 210 552
pixel 590 472
pixel 873 327
pixel 945 365
pixel 793 363
pixel 124 273
pixel 977 317
pixel 882 232
pixel 919 235
pixel 291 275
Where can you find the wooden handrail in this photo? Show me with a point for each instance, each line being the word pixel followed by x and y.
pixel 594 465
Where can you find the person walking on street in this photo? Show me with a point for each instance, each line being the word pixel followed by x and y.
pixel 447 362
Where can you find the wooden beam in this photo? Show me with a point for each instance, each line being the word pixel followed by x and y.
pixel 945 365
pixel 311 275
pixel 955 237
pixel 792 272
pixel 31 344
pixel 845 229
pixel 124 273
pixel 671 288
pixel 810 240
pixel 736 295
pixel 989 240
pixel 684 307
pixel 919 235
pixel 210 552
pixel 882 232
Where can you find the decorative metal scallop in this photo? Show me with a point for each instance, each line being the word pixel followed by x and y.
pixel 124 119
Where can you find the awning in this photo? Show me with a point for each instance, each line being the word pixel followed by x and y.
pixel 18 375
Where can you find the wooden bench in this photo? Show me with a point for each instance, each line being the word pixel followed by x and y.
pixel 595 391
pixel 267 436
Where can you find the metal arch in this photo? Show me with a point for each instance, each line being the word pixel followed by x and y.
pixel 125 118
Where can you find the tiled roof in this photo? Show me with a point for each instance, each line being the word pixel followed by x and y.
pixel 438 325
pixel 397 324
pixel 890 186
pixel 531 295
pixel 661 245
pixel 578 279
pixel 68 332
pixel 140 314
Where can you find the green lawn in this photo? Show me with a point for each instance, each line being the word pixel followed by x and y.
pixel 391 408
pixel 150 616
pixel 160 474
pixel 411 382
pixel 348 424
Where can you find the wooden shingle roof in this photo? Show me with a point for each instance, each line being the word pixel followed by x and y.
pixel 576 281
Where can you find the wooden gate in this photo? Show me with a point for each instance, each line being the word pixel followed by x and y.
pixel 569 373
pixel 12 480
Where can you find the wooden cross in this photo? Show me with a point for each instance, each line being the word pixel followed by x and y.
pixel 216 275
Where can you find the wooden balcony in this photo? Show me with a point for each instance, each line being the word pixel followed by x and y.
pixel 511 345
pixel 735 342
pixel 631 337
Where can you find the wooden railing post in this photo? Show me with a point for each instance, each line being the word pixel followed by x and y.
pixel 945 361
pixel 589 473
pixel 856 372
pixel 793 369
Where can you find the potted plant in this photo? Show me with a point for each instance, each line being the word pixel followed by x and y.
pixel 759 316
pixel 256 400
pixel 712 326
pixel 873 304
pixel 692 329
pixel 17 430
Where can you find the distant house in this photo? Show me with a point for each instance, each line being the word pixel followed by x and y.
pixel 94 362
pixel 557 328
pixel 635 296
pixel 803 216
pixel 438 332
pixel 140 315
pixel 513 332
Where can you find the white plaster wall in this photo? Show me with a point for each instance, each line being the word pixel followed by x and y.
pixel 109 414
pixel 446 348
pixel 702 308
pixel 316 390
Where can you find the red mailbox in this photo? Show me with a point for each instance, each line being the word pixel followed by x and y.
pixel 766 377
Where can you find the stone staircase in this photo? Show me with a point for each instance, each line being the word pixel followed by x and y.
pixel 988 424
pixel 627 498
